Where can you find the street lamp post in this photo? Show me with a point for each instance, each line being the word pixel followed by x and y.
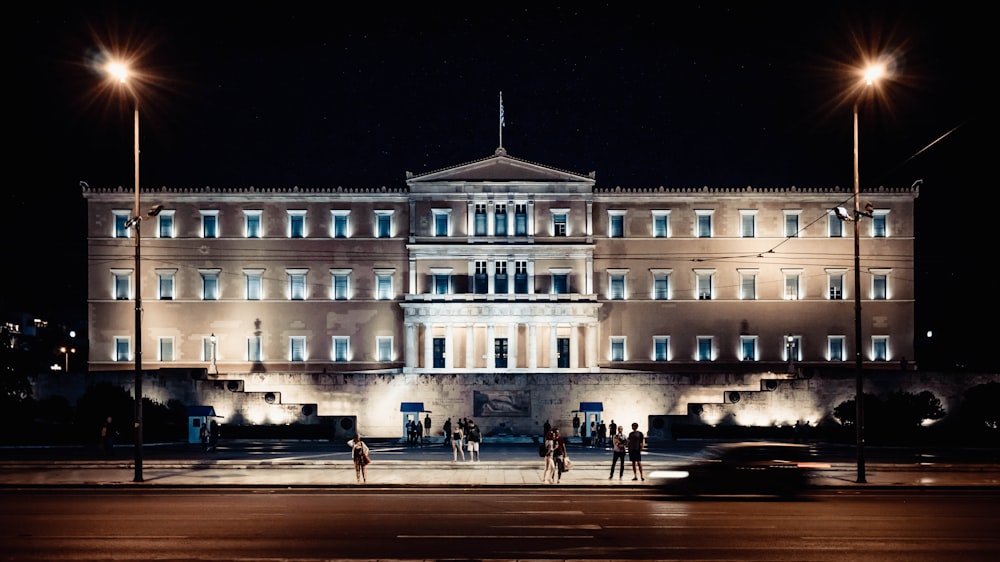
pixel 66 351
pixel 790 350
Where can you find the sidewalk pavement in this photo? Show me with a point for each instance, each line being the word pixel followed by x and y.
pixel 394 465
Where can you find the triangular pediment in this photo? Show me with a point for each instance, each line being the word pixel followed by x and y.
pixel 499 168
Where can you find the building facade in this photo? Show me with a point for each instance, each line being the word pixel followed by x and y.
pixel 499 265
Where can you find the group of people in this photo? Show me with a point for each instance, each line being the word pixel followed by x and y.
pixel 557 460
pixel 415 430
pixel 209 434
pixel 463 436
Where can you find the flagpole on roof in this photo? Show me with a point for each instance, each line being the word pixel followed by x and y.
pixel 501 119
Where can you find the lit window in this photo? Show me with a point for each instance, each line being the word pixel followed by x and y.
pixel 297 284
pixel 661 348
pixel 836 348
pixel 209 284
pixel 560 281
pixel 880 348
pixel 793 348
pixel 793 289
pixel 704 223
pixel 500 280
pixel 481 278
pixel 704 280
pixel 616 224
pixel 834 225
pixel 748 348
pixel 209 224
pixel 521 277
pixel 383 224
pixel 341 284
pixel 617 348
pixel 123 284
pixel 384 348
pixel 661 284
pixel 341 223
pixel 616 284
pixel 121 219
pixel 123 351
pixel 441 221
pixel 341 346
pixel 880 224
pixel 479 220
pixel 297 348
pixel 560 222
pixel 704 348
pixel 383 285
pixel 255 284
pixel 792 223
pixel 500 219
pixel 442 284
pixel 166 349
pixel 165 224
pixel 835 284
pixel 661 224
pixel 254 349
pixel 880 284
pixel 296 224
pixel 165 286
pixel 748 284
pixel 521 219
pixel 748 223
pixel 252 223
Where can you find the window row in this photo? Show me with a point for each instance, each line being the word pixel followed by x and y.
pixel 748 350
pixel 297 288
pixel 297 350
pixel 704 223
pixel 253 225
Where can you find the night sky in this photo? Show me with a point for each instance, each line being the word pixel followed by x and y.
pixel 314 94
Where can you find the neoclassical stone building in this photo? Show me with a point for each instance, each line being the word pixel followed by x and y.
pixel 499 266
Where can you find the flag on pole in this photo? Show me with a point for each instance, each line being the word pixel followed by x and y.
pixel 501 110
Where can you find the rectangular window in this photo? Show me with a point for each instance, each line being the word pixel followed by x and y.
pixel 791 224
pixel 792 285
pixel 562 353
pixel 121 219
pixel 835 348
pixel 879 226
pixel 297 285
pixel 255 285
pixel 500 285
pixel 880 286
pixel 210 224
pixel 704 348
pixel 165 224
pixel 340 224
pixel 836 286
pixel 560 283
pixel 617 348
pixel 704 224
pixel 793 348
pixel 617 286
pixel 341 285
pixel 880 348
pixel 440 223
pixel 704 280
pixel 500 353
pixel 559 224
pixel 442 283
pixel 500 219
pixel 207 348
pixel 521 219
pixel 440 350
pixel 209 285
pixel 296 224
pixel 479 220
pixel 123 351
pixel 166 349
pixel 165 286
pixel 383 224
pixel 251 223
pixel 661 286
pixel 384 344
pixel 748 348
pixel 661 348
pixel 661 224
pixel 616 226
pixel 383 286
pixel 123 285
pixel 254 349
pixel 341 345
pixel 521 277
pixel 748 285
pixel 297 348
pixel 834 225
pixel 748 224
pixel 481 281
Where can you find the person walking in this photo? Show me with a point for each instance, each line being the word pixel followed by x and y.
pixel 636 443
pixel 549 474
pixel 475 437
pixel 457 435
pixel 618 447
pixel 359 454
pixel 558 453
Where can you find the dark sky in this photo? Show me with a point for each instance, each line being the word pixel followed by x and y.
pixel 318 94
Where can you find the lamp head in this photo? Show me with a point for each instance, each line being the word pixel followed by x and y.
pixel 154 210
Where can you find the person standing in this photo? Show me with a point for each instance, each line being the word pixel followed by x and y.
pixel 549 474
pixel 203 434
pixel 618 448
pixel 636 443
pixel 546 430
pixel 576 425
pixel 475 437
pixel 447 432
pixel 457 435
pixel 107 442
pixel 427 426
pixel 213 435
pixel 613 428
pixel 359 454
pixel 420 431
pixel 558 453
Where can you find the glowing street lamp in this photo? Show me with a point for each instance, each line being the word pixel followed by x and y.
pixel 66 351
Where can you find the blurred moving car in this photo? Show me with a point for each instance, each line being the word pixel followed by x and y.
pixel 760 468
